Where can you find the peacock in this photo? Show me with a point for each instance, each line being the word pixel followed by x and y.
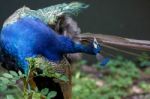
pixel 51 33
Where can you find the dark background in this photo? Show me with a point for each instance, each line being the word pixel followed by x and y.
pixel 127 18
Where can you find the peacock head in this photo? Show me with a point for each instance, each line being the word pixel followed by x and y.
pixel 93 47
pixel 90 46
pixel 97 46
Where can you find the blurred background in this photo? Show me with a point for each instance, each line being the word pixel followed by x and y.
pixel 128 18
pixel 122 78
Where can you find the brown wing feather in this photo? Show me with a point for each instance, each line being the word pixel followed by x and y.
pixel 117 41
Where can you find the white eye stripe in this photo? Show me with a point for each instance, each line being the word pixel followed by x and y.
pixel 95 40
pixel 95 43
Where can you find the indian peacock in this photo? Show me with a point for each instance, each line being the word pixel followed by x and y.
pixel 53 34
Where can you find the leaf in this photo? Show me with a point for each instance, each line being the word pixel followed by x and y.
pixel 3 88
pixel 10 97
pixel 7 75
pixel 20 73
pixel 51 94
pixel 36 95
pixel 13 73
pixel 13 81
pixel 44 91
pixel 64 78
pixel 145 63
pixel 57 75
pixel 4 80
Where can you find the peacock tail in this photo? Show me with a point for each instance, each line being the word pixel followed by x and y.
pixel 113 42
pixel 48 15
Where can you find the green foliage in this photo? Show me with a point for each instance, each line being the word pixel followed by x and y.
pixel 51 94
pixel 145 86
pixel 10 97
pixel 147 71
pixel 118 77
pixel 46 67
pixel 9 81
pixel 144 60
pixel 16 85
pixel 122 74
pixel 85 87
pixel 44 91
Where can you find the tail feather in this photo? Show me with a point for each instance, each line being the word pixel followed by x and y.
pixel 110 40
pixel 117 44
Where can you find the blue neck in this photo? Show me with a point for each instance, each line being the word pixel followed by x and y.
pixel 67 45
